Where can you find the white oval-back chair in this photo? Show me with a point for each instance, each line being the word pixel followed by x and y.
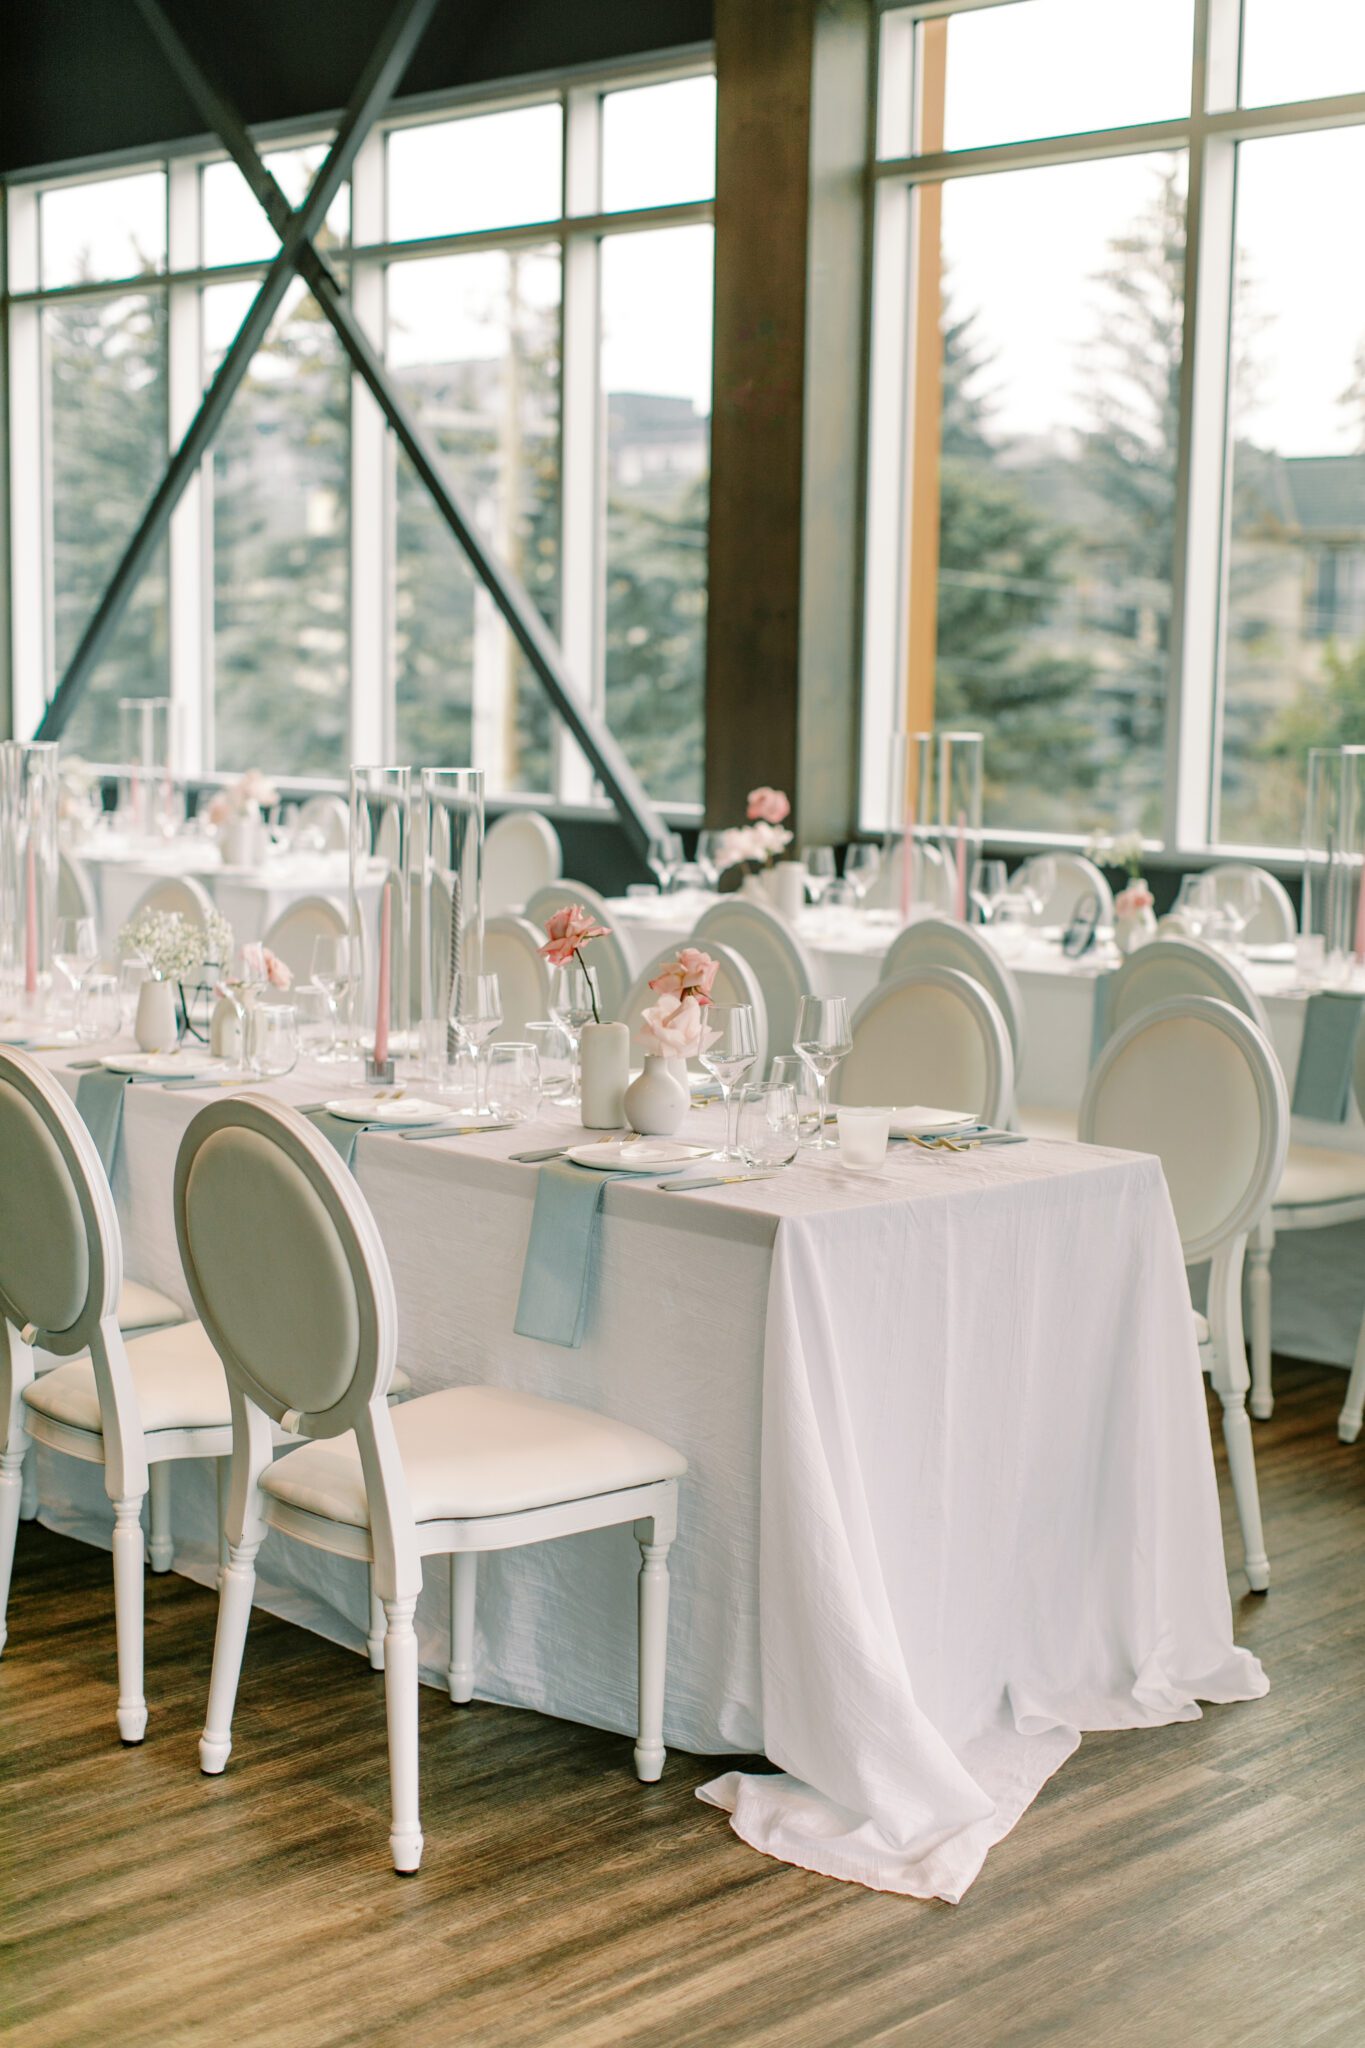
pixel 177 894
pixel 1074 878
pixel 294 931
pixel 778 958
pixel 941 942
pixel 1198 1084
pixel 521 853
pixel 511 950
pixel 1274 923
pixel 134 1407
pixel 327 819
pixel 285 1264
pixel 932 1036
pixel 735 982
pixel 607 957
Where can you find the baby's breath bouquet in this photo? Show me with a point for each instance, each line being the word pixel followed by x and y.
pixel 174 946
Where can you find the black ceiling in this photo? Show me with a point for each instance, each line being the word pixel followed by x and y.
pixel 82 77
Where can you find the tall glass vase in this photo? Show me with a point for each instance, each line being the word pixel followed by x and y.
pixel 450 916
pixel 381 913
pixel 960 756
pixel 28 869
pixel 147 802
pixel 912 819
pixel 1334 854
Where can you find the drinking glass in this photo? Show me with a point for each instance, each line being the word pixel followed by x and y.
pixel 708 851
pixel 789 1070
pixel 862 865
pixel 864 1134
pixel 1194 905
pixel 768 1126
pixel 475 1014
pixel 336 971
pixel 75 951
pixel 555 1056
pixel 665 855
pixel 514 1080
pixel 131 975
pixel 990 879
pixel 97 1008
pixel 1239 897
pixel 820 870
pixel 273 1039
pixel 1037 880
pixel 822 1038
pixel 729 1057
pixel 317 1028
pixel 571 1006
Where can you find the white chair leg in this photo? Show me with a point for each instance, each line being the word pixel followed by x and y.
pixel 1242 1466
pixel 653 1654
pixel 464 1571
pixel 1261 1245
pixel 229 1645
pixel 374 1641
pixel 128 1565
pixel 28 1502
pixel 160 1548
pixel 222 1468
pixel 11 1496
pixel 1353 1407
pixel 400 1705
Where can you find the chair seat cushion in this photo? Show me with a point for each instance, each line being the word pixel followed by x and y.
pixel 1038 1121
pixel 1316 1173
pixel 179 1382
pixel 473 1451
pixel 141 1308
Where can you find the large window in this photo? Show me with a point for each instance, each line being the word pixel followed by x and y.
pixel 1118 528
pixel 537 275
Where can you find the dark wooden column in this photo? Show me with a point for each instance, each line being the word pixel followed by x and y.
pixel 794 83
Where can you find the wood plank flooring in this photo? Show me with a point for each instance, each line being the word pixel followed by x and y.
pixel 1199 1885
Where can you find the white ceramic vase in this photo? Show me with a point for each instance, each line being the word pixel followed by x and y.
pixel 225 1030
pixel 789 888
pixel 604 1051
pixel 155 1027
pixel 242 840
pixel 1134 928
pixel 656 1100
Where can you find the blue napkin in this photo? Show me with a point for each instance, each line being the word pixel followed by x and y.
pixel 99 1098
pixel 341 1132
pixel 1326 1071
pixel 553 1303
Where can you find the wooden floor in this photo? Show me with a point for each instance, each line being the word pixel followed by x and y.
pixel 1202 1884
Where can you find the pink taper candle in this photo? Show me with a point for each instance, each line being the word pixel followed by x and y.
pixel 381 1013
pixel 30 923
pixel 962 866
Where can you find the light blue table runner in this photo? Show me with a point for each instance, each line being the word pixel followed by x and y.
pixel 99 1098
pixel 341 1132
pixel 1326 1070
pixel 553 1303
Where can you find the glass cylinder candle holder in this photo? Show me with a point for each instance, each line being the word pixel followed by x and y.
pixel 450 909
pixel 1334 855
pixel 28 867
pixel 912 817
pixel 381 913
pixel 960 756
pixel 147 796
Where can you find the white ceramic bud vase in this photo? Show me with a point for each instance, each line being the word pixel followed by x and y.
pixel 242 841
pixel 789 888
pixel 155 1027
pixel 656 1100
pixel 604 1051
pixel 1134 928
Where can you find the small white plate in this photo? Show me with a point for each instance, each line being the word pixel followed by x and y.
pixel 408 1109
pixel 638 1155
pixel 161 1066
pixel 919 1121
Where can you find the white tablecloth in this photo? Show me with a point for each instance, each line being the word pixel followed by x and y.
pixel 950 1497
pixel 249 898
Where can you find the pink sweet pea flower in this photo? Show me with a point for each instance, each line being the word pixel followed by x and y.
pixel 676 1030
pixel 693 974
pixel 769 805
pixel 566 931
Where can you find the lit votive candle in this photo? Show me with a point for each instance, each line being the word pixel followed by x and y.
pixel 863 1136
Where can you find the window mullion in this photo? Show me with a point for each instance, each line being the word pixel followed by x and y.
pixel 371 529
pixel 582 512
pixel 30 510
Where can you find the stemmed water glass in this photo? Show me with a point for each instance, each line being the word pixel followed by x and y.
pixel 571 1006
pixel 335 970
pixel 822 1038
pixel 708 856
pixel 1036 881
pixel 475 1014
pixel 990 880
pixel 820 870
pixel 1238 896
pixel 862 865
pixel 75 952
pixel 732 1052
pixel 665 856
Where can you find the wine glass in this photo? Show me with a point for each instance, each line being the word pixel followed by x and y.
pixel 335 970
pixel 990 879
pixel 75 951
pixel 474 1015
pixel 768 1130
pixel 822 1038
pixel 571 1006
pixel 665 855
pixel 1037 879
pixel 1239 898
pixel 862 865
pixel 708 856
pixel 731 1053
pixel 820 870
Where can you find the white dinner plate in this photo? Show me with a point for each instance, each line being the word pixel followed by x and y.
pixel 161 1066
pixel 408 1109
pixel 638 1155
pixel 919 1121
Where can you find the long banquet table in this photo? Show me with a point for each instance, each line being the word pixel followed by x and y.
pixel 950 1500
pixel 250 898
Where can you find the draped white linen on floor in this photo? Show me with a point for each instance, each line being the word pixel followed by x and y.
pixel 951 1496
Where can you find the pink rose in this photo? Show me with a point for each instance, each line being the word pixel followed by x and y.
pixel 276 973
pixel 566 931
pixel 693 973
pixel 676 1030
pixel 1137 896
pixel 770 805
pixel 220 809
